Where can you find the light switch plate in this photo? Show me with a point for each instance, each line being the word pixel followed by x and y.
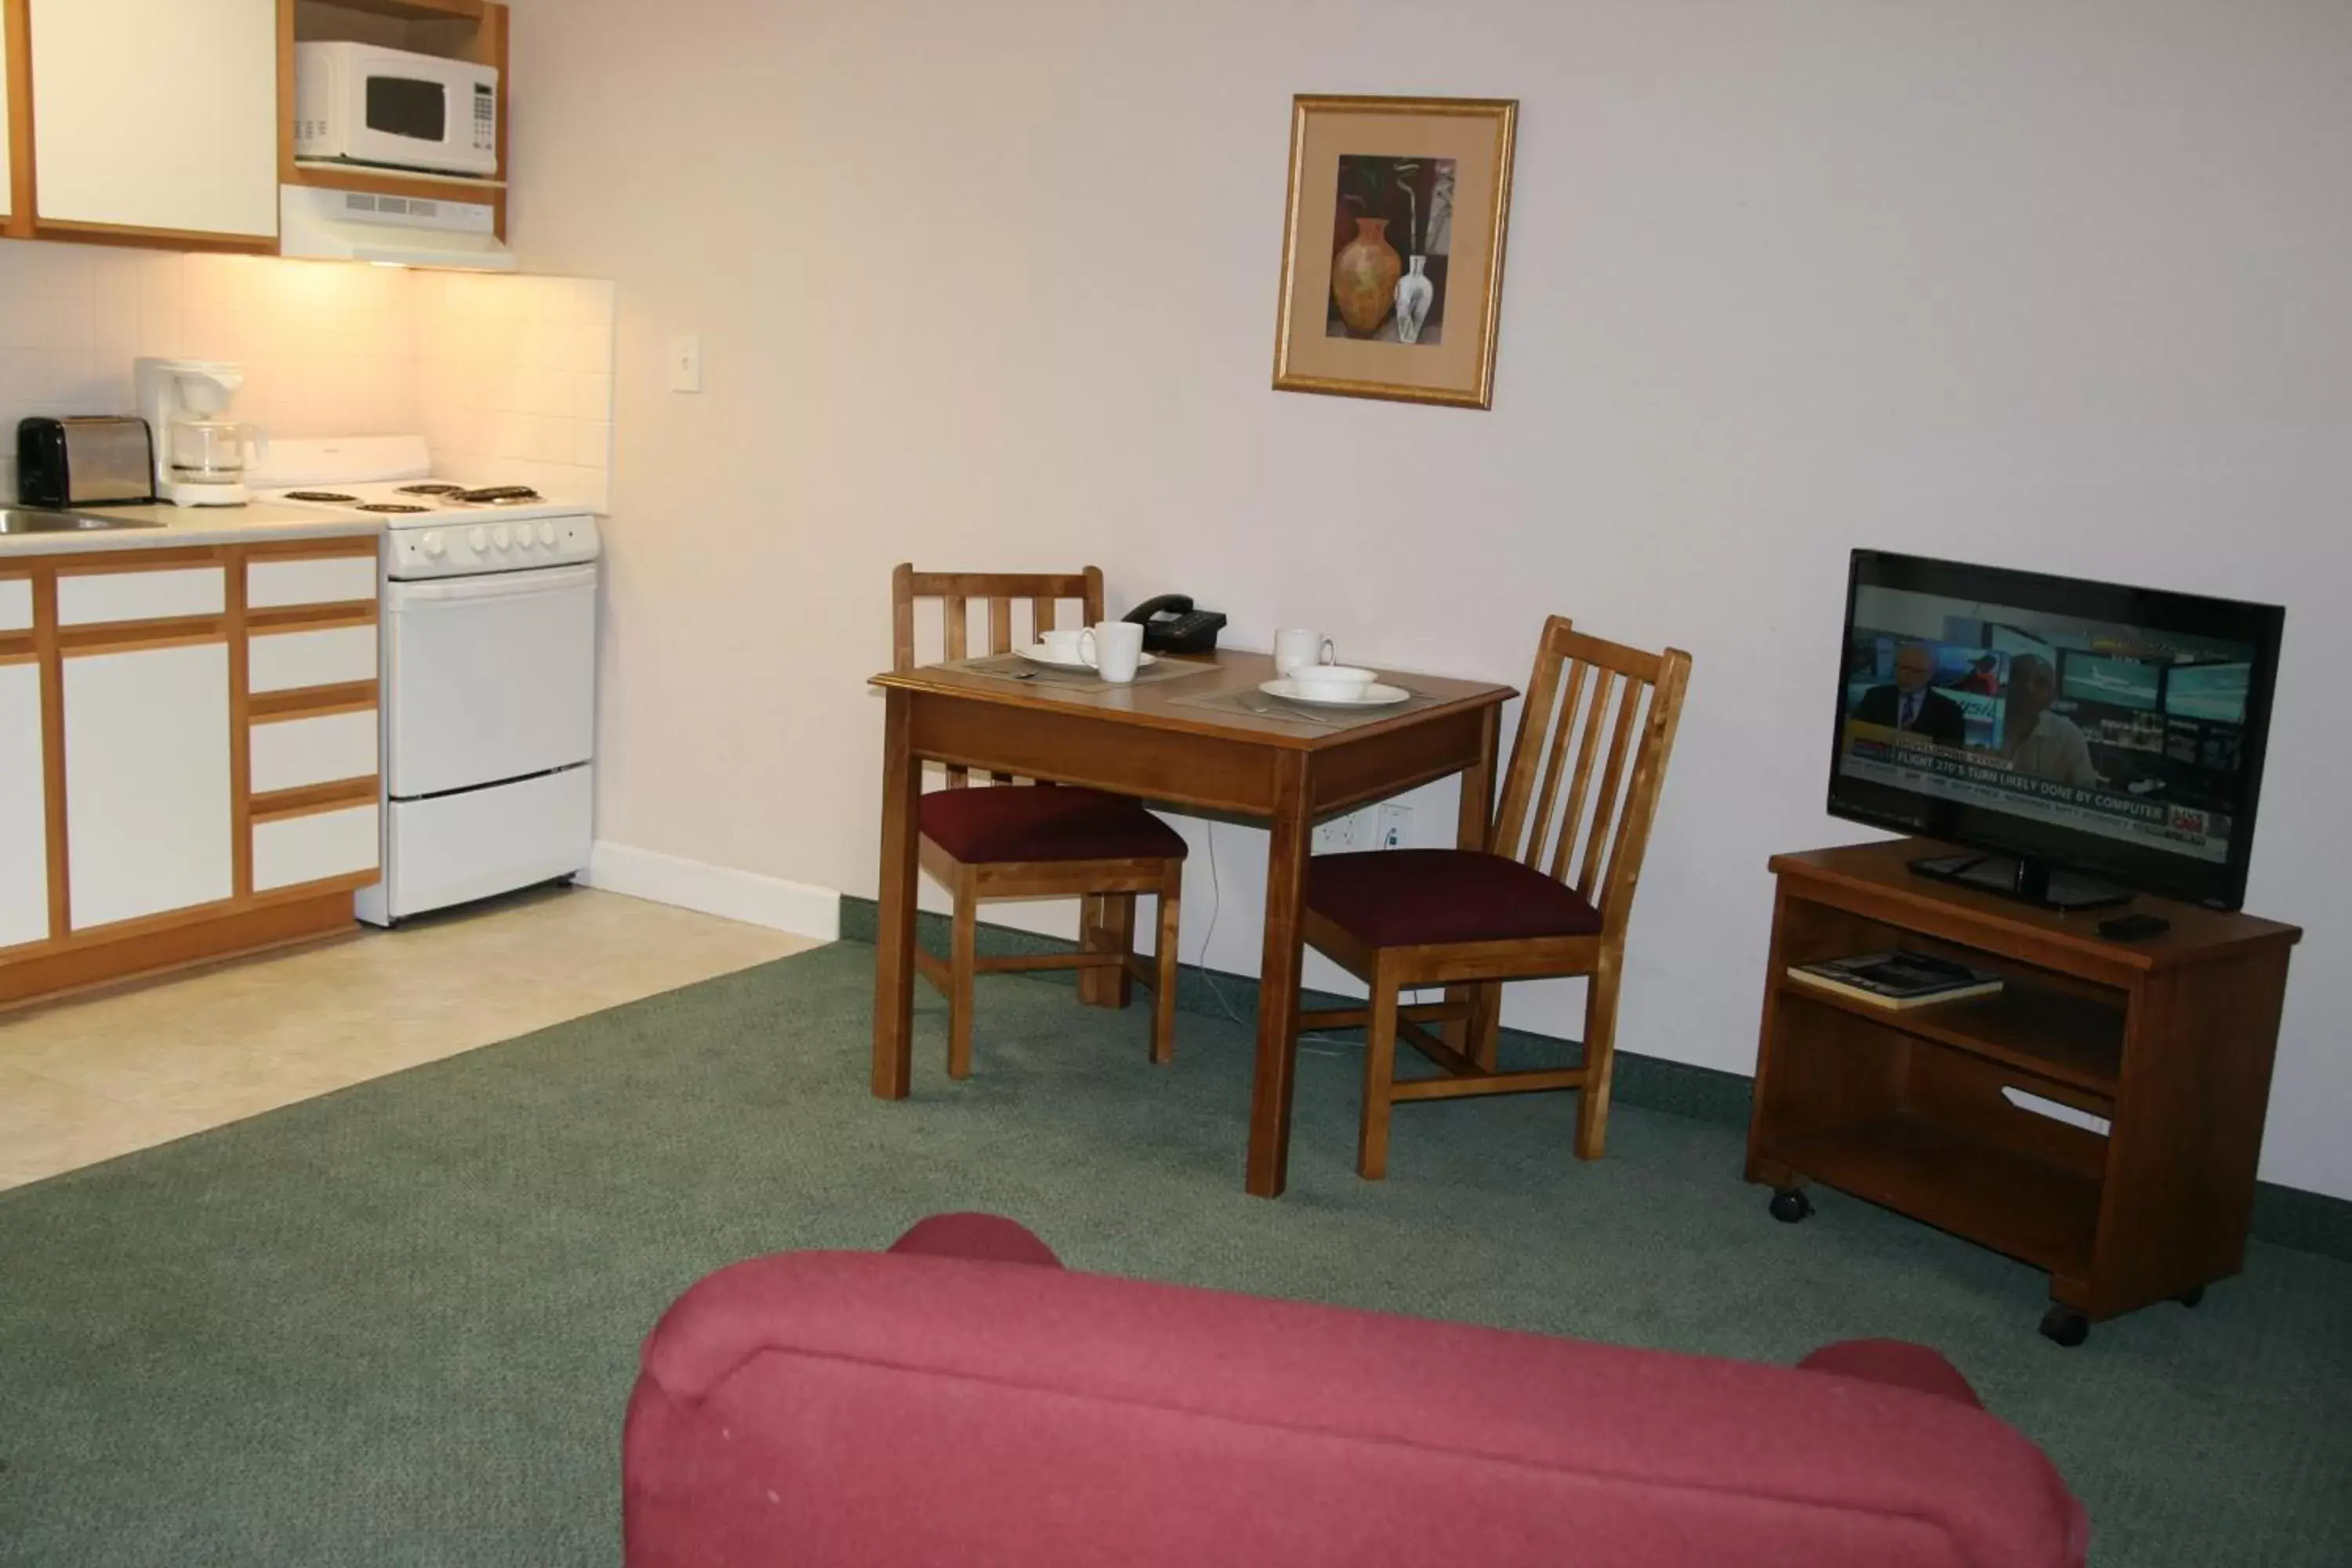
pixel 685 363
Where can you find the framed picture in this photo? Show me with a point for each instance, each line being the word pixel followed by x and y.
pixel 1392 250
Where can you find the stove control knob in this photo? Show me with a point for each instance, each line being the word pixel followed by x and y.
pixel 500 537
pixel 433 544
pixel 477 539
pixel 547 533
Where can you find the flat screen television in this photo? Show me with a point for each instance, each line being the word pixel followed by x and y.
pixel 2079 739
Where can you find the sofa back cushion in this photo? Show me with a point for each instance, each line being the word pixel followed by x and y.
pixel 823 1408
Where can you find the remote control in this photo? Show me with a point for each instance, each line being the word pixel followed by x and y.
pixel 2133 927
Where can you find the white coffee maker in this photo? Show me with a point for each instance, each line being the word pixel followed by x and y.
pixel 200 456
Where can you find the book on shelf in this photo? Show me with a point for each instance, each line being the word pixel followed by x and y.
pixel 1897 980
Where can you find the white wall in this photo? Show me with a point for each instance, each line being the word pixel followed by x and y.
pixel 992 285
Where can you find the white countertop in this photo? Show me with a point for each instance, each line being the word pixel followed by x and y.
pixel 185 525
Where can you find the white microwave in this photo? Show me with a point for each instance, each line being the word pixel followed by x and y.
pixel 361 104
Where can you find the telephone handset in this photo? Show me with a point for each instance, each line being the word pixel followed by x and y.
pixel 1171 624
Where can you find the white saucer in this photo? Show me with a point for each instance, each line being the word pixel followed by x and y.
pixel 1035 654
pixel 1375 695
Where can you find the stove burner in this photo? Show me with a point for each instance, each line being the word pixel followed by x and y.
pixel 391 506
pixel 433 489
pixel 319 495
pixel 499 495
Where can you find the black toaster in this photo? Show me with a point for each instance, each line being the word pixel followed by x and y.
pixel 103 459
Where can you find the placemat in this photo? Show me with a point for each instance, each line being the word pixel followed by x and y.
pixel 1256 704
pixel 1012 666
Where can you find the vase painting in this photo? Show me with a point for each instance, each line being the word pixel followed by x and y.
pixel 1415 293
pixel 1364 277
pixel 1384 210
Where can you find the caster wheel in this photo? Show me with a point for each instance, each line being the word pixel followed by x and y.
pixel 1791 1205
pixel 2192 1295
pixel 2064 1326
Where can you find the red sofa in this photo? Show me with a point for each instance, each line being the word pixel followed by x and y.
pixel 963 1400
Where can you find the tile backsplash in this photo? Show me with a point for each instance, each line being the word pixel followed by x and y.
pixel 509 378
pixel 514 380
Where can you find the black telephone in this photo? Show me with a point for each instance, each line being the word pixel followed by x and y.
pixel 1171 624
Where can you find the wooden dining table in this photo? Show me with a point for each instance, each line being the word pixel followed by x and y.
pixel 1157 741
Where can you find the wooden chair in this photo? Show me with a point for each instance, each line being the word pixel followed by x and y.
pixel 1010 840
pixel 1471 920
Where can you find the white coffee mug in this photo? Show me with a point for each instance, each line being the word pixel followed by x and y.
pixel 1062 647
pixel 1294 648
pixel 1112 649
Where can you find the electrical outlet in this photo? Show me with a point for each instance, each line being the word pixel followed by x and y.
pixel 686 364
pixel 1344 834
pixel 1395 827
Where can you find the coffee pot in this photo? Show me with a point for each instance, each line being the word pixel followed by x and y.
pixel 200 456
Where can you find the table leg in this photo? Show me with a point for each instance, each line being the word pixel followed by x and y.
pixel 894 938
pixel 1477 1038
pixel 1106 924
pixel 1277 986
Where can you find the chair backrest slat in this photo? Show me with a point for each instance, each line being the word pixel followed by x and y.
pixel 1588 752
pixel 997 591
pixel 1534 722
pixel 1571 696
pixel 1631 698
pixel 1605 810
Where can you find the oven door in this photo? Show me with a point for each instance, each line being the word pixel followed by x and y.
pixel 422 114
pixel 488 679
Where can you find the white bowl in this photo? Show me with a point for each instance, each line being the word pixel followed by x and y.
pixel 1332 682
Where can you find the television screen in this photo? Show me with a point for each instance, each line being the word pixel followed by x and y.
pixel 2116 732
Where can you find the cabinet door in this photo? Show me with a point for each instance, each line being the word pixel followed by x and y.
pixel 156 114
pixel 148 820
pixel 24 825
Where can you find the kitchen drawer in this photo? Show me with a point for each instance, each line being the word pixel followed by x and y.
pixel 289 753
pixel 288 661
pixel 16 604
pixel 290 850
pixel 95 598
pixel 334 580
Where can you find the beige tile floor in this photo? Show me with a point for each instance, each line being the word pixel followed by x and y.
pixel 89 1078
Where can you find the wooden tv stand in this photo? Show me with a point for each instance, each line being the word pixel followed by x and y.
pixel 2169 1040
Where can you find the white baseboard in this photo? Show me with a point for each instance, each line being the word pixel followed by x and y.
pixel 719 891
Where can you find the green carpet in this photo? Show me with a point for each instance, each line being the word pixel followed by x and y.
pixel 398 1324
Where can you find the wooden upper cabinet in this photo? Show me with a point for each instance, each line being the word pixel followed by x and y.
pixel 156 117
pixel 8 63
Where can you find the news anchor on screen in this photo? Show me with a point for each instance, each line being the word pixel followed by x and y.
pixel 2038 742
pixel 1911 706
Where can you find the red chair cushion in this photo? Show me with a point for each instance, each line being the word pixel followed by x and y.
pixel 1022 822
pixel 1898 1363
pixel 989 1238
pixel 1407 898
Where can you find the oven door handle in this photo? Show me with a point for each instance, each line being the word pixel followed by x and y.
pixel 524 585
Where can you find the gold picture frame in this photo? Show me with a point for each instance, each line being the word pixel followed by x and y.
pixel 1360 317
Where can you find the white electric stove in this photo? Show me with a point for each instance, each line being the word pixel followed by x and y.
pixel 489 696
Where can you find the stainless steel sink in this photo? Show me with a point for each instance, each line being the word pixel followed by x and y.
pixel 14 519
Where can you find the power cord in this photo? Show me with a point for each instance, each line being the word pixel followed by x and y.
pixel 1216 900
pixel 1209 975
